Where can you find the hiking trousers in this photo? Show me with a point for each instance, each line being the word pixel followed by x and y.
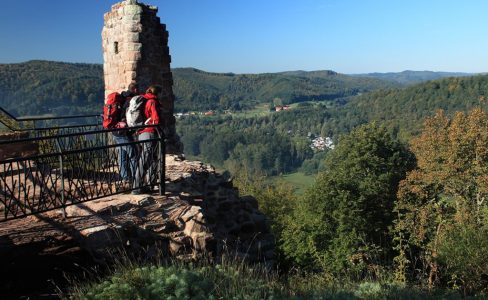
pixel 127 157
pixel 147 166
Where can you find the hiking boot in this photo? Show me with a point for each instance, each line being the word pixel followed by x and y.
pixel 146 190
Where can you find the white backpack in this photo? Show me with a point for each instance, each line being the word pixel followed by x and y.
pixel 135 113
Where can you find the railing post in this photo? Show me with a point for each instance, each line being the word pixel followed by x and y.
pixel 61 167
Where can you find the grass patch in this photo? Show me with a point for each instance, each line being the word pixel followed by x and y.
pixel 299 181
pixel 259 110
pixel 236 280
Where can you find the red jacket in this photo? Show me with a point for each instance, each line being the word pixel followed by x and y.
pixel 152 113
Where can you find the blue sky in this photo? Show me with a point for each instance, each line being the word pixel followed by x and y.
pixel 255 36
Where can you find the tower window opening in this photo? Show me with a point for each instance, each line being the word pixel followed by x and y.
pixel 116 47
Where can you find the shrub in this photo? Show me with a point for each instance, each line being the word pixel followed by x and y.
pixel 222 281
pixel 369 290
pixel 153 283
pixel 462 252
pixel 235 280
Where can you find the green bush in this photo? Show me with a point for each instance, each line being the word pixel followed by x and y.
pixel 238 281
pixel 462 253
pixel 154 283
pixel 222 281
pixel 370 290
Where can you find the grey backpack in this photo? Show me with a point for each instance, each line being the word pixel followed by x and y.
pixel 135 113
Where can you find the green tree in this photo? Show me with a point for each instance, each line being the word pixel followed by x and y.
pixel 342 223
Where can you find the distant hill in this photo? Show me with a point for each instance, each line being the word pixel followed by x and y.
pixel 39 87
pixel 412 77
pixel 406 108
pixel 199 90
pixel 310 74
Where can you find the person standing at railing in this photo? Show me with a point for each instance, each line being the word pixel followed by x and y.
pixel 127 154
pixel 147 164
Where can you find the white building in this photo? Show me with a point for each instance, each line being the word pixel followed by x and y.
pixel 321 144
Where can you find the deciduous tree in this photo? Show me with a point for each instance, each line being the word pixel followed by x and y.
pixel 343 221
pixel 444 196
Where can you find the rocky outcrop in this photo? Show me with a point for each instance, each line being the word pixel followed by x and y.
pixel 212 217
pixel 201 215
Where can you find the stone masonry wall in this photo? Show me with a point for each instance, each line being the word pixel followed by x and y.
pixel 135 49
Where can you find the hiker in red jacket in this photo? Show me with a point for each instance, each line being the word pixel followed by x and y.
pixel 147 160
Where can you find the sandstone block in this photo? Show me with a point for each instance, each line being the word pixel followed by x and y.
pixel 205 243
pixel 167 227
pixel 133 37
pixel 135 17
pixel 98 237
pixel 189 214
pixel 132 56
pixel 193 227
pixel 152 226
pixel 146 201
pixel 130 66
pixel 132 9
pixel 130 76
pixel 115 7
pixel 180 224
pixel 134 47
pixel 199 217
pixel 185 195
pixel 180 245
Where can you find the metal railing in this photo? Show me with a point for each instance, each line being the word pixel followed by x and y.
pixel 72 168
pixel 48 126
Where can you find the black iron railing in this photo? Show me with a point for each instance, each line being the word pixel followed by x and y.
pixel 72 168
pixel 49 126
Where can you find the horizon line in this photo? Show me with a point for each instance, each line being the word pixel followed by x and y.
pixel 250 73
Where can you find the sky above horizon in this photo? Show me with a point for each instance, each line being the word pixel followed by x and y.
pixel 256 36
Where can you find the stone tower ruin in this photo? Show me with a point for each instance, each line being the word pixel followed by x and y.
pixel 135 49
